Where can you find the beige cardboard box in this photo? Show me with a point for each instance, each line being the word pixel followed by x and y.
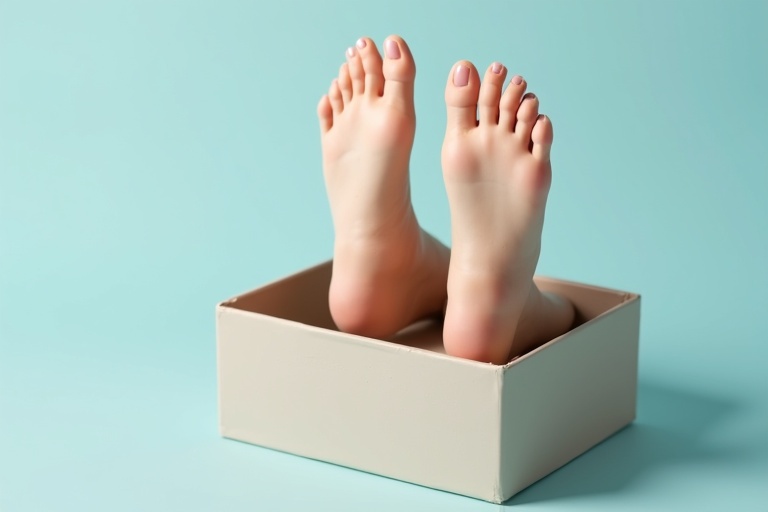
pixel 288 380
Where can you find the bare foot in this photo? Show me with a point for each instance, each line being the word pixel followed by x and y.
pixel 497 174
pixel 387 272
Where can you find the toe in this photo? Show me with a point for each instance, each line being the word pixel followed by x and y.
pixel 490 93
pixel 399 69
pixel 345 83
pixel 461 94
pixel 334 96
pixel 325 114
pixel 369 54
pixel 542 136
pixel 526 117
pixel 510 102
pixel 356 72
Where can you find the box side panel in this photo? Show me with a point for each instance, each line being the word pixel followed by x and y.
pixel 568 397
pixel 383 408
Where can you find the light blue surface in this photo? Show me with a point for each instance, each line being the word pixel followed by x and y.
pixel 159 156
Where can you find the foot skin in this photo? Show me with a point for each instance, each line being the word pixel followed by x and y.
pixel 497 174
pixel 387 271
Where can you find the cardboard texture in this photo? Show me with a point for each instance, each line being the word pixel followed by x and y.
pixel 402 408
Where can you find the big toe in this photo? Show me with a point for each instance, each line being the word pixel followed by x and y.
pixel 399 69
pixel 461 95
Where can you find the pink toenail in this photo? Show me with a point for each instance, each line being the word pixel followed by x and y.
pixel 496 68
pixel 350 52
pixel 517 79
pixel 360 43
pixel 391 49
pixel 461 76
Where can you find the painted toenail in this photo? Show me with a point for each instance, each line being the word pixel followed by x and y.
pixel 360 43
pixel 496 68
pixel 391 49
pixel 350 52
pixel 461 76
pixel 517 79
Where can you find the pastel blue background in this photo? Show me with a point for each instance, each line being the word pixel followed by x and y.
pixel 159 156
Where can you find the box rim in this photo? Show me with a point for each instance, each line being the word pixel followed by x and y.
pixel 627 298
pixel 630 299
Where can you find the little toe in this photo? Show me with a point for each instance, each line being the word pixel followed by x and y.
pixel 510 102
pixel 461 95
pixel 526 117
pixel 490 93
pixel 325 114
pixel 356 71
pixel 399 70
pixel 541 137
pixel 345 83
pixel 334 96
pixel 369 54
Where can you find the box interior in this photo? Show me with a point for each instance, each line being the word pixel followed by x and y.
pixel 303 298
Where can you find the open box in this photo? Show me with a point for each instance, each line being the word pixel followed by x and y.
pixel 402 408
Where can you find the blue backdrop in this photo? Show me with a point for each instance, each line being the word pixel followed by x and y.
pixel 159 156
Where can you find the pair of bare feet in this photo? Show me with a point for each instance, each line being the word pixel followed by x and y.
pixel 387 271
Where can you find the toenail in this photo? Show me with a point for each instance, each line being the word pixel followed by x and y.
pixel 496 68
pixel 360 43
pixel 530 96
pixel 517 79
pixel 391 49
pixel 350 52
pixel 461 76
